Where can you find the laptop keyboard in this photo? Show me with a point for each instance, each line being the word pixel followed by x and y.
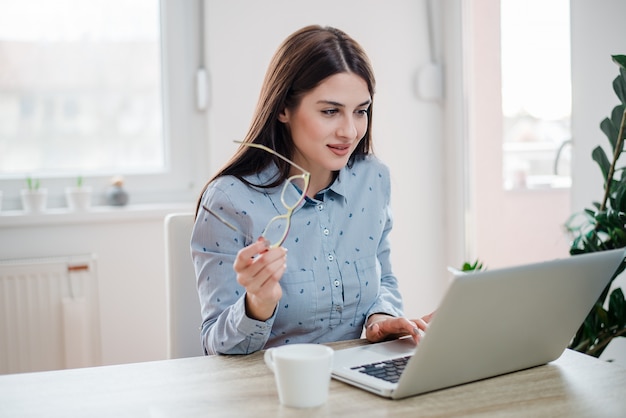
pixel 389 370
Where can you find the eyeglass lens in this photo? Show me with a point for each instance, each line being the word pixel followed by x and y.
pixel 292 194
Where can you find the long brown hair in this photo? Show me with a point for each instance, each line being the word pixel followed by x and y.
pixel 301 63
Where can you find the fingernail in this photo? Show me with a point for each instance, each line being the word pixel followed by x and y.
pixel 416 331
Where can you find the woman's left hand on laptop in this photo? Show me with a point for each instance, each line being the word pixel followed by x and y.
pixel 382 327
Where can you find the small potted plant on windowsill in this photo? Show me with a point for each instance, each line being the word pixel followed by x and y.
pixel 79 196
pixel 34 198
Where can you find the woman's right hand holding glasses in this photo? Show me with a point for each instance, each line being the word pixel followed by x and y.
pixel 259 269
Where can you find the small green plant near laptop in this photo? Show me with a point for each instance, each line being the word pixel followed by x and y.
pixel 476 266
pixel 603 227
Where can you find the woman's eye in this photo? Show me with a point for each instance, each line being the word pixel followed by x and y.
pixel 362 112
pixel 330 111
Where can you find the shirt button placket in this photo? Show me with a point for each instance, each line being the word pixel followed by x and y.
pixel 333 270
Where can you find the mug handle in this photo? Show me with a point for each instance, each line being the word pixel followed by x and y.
pixel 269 358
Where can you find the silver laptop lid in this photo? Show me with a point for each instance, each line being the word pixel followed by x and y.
pixel 498 321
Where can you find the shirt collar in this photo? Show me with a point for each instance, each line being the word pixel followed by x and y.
pixel 266 176
pixel 338 187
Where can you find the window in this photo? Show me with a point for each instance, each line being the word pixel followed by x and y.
pixel 97 88
pixel 536 93
pixel 80 94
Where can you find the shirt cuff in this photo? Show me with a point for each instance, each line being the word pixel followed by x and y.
pixel 251 327
pixel 384 308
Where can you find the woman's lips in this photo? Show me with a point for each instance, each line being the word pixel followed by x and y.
pixel 340 150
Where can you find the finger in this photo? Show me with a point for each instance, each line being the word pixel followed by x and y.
pixel 271 271
pixel 267 260
pixel 246 255
pixel 260 246
pixel 373 333
pixel 268 288
pixel 427 318
pixel 268 265
pixel 419 328
pixel 420 324
pixel 398 326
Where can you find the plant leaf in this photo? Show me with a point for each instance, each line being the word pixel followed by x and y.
pixel 617 307
pixel 619 86
pixel 610 131
pixel 620 60
pixel 599 157
pixel 616 119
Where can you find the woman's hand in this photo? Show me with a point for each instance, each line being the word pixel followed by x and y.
pixel 384 327
pixel 259 269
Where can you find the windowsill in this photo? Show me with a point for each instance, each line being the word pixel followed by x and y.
pixel 96 214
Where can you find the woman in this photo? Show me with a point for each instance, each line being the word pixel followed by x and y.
pixel 304 180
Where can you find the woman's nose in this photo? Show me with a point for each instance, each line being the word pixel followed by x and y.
pixel 348 128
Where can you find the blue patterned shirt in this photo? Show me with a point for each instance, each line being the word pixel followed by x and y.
pixel 338 266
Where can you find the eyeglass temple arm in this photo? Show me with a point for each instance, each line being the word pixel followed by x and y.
pixel 271 151
pixel 222 220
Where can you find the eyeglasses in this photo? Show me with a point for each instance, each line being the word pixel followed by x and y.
pixel 293 193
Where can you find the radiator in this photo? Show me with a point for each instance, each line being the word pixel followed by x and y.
pixel 49 314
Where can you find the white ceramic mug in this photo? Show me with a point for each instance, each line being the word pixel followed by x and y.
pixel 302 373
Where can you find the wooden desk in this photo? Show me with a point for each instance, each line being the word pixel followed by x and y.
pixel 575 385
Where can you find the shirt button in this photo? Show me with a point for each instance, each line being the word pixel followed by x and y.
pixel 336 283
pixel 320 207
pixel 326 231
pixel 331 257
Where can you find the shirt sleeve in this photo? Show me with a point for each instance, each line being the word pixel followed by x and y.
pixel 225 329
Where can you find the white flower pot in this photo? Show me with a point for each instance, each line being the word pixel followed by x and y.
pixel 78 198
pixel 34 201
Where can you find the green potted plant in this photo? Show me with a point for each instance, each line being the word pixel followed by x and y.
pixel 79 196
pixel 34 198
pixel 603 227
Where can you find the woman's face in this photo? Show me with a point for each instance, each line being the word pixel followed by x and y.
pixel 328 124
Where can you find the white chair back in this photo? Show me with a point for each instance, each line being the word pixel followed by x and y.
pixel 183 305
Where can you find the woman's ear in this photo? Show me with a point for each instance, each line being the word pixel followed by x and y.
pixel 283 116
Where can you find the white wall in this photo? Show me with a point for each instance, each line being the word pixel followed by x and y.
pixel 598 31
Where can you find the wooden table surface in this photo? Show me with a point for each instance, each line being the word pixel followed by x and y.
pixel 575 385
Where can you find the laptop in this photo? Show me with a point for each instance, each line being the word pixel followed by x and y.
pixel 489 323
